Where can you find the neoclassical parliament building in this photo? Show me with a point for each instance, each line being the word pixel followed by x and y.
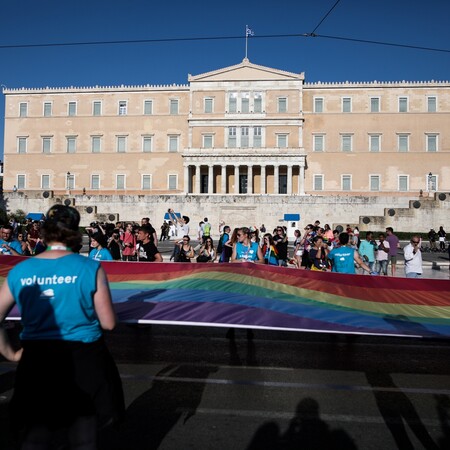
pixel 244 130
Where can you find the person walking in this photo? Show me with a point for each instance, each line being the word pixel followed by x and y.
pixel 66 380
pixel 394 245
pixel 442 235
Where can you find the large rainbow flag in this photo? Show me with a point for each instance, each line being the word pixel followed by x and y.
pixel 259 296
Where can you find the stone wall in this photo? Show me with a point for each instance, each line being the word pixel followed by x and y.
pixel 402 213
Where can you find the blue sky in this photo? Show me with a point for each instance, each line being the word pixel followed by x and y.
pixel 404 22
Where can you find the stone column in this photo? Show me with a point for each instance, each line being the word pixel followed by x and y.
pixel 236 179
pixel 186 179
pixel 249 179
pixel 276 179
pixel 197 179
pixel 289 180
pixel 210 179
pixel 263 179
pixel 301 178
pixel 223 180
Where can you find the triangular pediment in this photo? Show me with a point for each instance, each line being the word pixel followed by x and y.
pixel 246 71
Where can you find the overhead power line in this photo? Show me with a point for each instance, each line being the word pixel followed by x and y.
pixel 325 16
pixel 217 38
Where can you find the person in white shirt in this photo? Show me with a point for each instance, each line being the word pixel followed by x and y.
pixel 381 258
pixel 413 258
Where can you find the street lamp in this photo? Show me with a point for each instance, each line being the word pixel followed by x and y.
pixel 430 182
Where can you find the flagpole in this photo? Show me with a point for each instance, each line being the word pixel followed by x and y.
pixel 246 41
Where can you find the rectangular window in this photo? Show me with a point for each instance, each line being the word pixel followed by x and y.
pixel 46 145
pixel 173 143
pixel 374 182
pixel 244 137
pixel 257 137
pixel 245 102
pixel 232 137
pixel 318 183
pixel 71 144
pixel 346 142
pixel 346 104
pixel 319 142
pixel 146 182
pixel 121 144
pixel 147 143
pixel 120 181
pixel 432 142
pixel 72 109
pixel 403 182
pixel 173 104
pixel 282 140
pixel 374 142
pixel 431 182
pixel 232 102
pixel 431 104
pixel 95 181
pixel 403 104
pixel 208 141
pixel 97 108
pixel 208 105
pixel 96 144
pixel 346 182
pixel 318 104
pixel 374 104
pixel 148 107
pixel 22 145
pixel 70 180
pixel 45 182
pixel 172 182
pixel 23 109
pixel 20 181
pixel 47 109
pixel 257 102
pixel 123 108
pixel 403 142
pixel 282 104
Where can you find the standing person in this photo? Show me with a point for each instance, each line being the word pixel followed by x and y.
pixel 432 236
pixel 394 245
pixel 145 222
pixel 184 250
pixel 99 251
pixel 382 254
pixel 442 235
pixel 298 248
pixel 146 249
pixel 343 258
pixel 9 245
pixel 129 243
pixel 281 243
pixel 228 245
pixel 66 380
pixel 318 254
pixel 245 250
pixel 225 236
pixel 413 258
pixel 182 223
pixel 34 235
pixel 206 229
pixel 269 250
pixel 207 252
pixel 367 250
pixel 115 245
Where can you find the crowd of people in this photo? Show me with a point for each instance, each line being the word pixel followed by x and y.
pixel 314 248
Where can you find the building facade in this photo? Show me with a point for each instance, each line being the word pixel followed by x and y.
pixel 241 130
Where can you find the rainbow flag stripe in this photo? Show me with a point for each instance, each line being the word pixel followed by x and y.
pixel 259 296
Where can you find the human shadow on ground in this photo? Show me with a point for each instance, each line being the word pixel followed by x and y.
pixel 443 409
pixel 397 410
pixel 306 431
pixel 173 397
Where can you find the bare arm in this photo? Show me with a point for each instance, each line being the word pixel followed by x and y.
pixel 103 303
pixel 6 303
pixel 359 260
pixel 260 255
pixel 158 257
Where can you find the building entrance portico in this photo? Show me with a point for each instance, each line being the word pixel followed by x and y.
pixel 268 174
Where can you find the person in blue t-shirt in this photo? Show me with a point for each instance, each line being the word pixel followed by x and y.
pixel 99 251
pixel 66 380
pixel 245 250
pixel 343 258
pixel 9 245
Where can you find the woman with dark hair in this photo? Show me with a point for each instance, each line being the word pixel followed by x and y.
pixel 99 251
pixel 245 250
pixel 269 250
pixel 184 250
pixel 207 252
pixel 66 380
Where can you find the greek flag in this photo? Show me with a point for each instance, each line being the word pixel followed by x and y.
pixel 249 31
